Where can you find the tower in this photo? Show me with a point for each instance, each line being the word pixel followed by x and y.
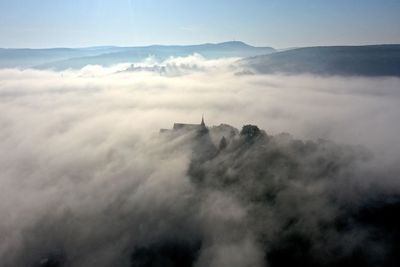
pixel 202 122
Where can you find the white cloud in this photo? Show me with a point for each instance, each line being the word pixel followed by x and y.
pixel 73 142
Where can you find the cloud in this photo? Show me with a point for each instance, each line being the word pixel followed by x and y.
pixel 85 174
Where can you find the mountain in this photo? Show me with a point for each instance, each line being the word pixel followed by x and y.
pixel 25 58
pixel 371 60
pixel 64 58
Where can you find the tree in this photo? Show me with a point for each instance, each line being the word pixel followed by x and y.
pixel 223 143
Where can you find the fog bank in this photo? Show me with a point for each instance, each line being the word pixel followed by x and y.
pixel 85 176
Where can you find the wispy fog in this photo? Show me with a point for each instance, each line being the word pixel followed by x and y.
pixel 84 174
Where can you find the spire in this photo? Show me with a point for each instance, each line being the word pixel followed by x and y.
pixel 202 121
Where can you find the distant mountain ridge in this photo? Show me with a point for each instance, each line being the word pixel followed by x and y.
pixel 65 58
pixel 370 60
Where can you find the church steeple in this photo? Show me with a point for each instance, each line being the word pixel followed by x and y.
pixel 202 121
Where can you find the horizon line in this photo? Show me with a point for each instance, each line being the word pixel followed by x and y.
pixel 195 44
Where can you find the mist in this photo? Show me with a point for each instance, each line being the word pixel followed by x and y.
pixel 87 180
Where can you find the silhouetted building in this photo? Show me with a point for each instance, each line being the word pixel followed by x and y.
pixel 187 127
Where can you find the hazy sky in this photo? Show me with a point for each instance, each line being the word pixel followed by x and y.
pixel 74 23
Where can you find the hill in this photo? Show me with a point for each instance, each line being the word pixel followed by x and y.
pixel 65 58
pixel 372 60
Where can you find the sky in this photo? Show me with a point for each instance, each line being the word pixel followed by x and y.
pixel 281 24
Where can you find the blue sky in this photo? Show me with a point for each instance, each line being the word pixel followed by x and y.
pixel 278 23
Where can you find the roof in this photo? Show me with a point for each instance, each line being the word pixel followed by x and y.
pixel 186 126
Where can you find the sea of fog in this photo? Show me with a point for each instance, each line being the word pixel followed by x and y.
pixel 83 174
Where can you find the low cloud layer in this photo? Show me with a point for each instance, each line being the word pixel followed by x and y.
pixel 86 177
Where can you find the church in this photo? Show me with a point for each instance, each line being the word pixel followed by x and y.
pixel 179 127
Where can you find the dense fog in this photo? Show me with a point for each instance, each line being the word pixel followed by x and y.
pixel 87 179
